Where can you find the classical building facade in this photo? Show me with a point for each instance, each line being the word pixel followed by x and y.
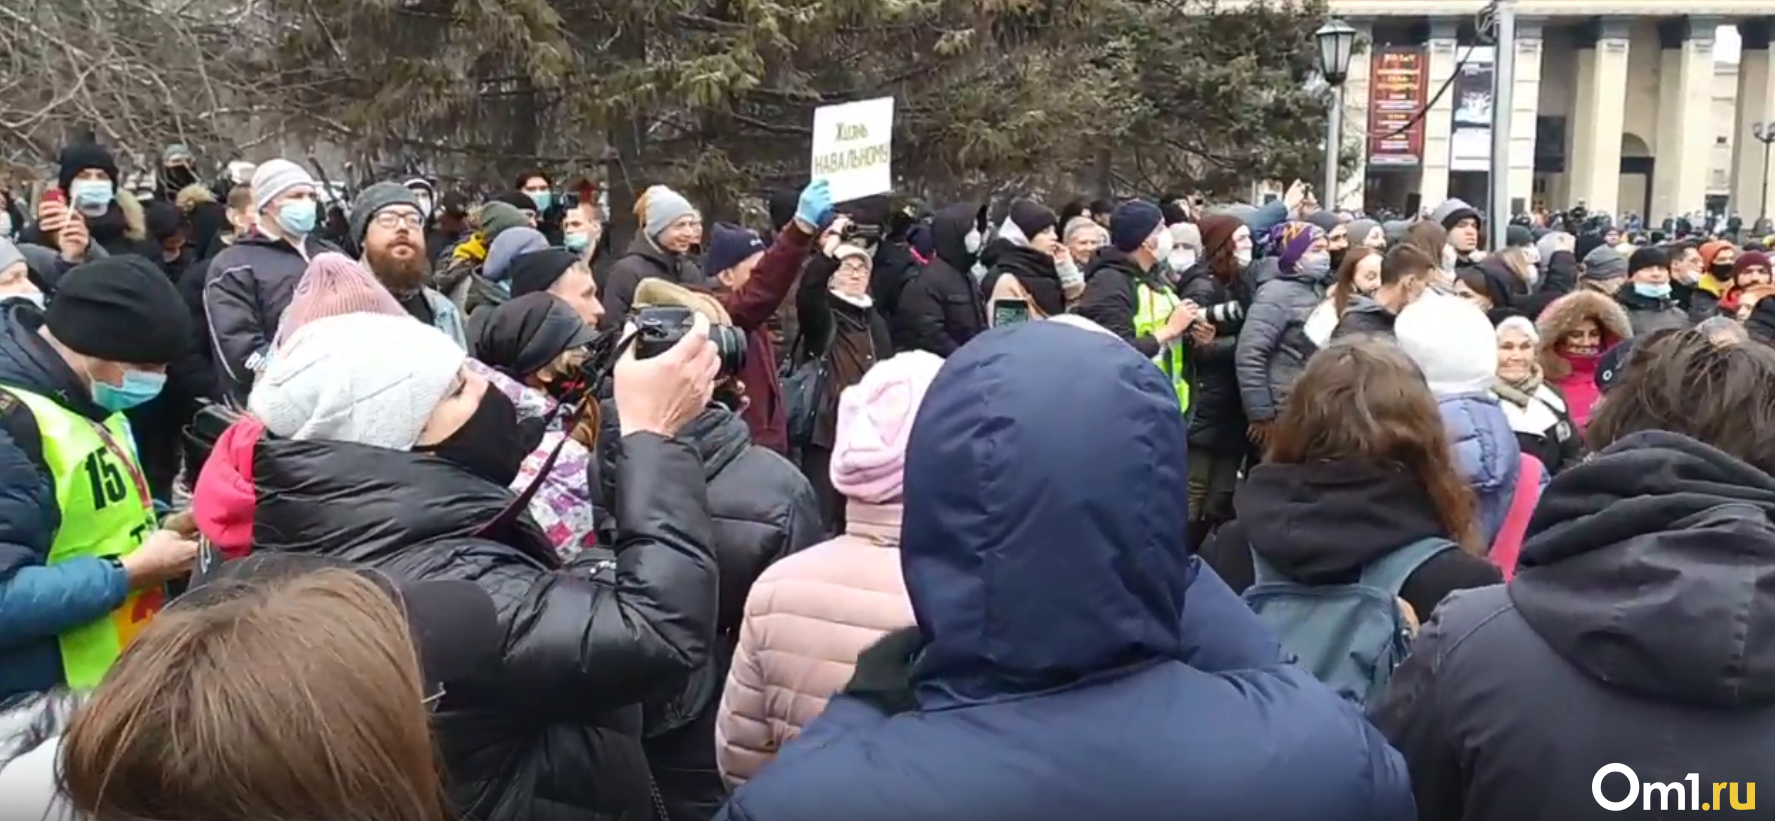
pixel 1617 105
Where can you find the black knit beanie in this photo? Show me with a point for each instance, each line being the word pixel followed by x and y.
pixel 120 309
pixel 1032 217
pixel 537 270
pixel 78 157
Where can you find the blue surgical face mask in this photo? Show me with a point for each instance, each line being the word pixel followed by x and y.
pixel 576 241
pixel 297 216
pixel 91 196
pixel 1652 291
pixel 138 387
pixel 543 199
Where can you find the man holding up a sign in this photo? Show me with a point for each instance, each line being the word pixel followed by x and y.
pixel 83 562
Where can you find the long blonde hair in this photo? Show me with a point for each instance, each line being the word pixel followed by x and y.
pixel 292 700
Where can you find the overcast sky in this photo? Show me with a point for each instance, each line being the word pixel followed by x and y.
pixel 1725 44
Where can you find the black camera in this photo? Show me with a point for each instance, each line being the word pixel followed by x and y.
pixel 659 328
pixel 859 233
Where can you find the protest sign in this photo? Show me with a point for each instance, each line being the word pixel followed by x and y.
pixel 853 148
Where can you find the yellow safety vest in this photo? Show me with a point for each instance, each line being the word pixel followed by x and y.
pixel 106 511
pixel 1152 309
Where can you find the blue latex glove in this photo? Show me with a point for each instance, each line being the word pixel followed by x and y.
pixel 814 206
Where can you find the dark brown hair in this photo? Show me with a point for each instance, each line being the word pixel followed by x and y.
pixel 1407 261
pixel 1363 401
pixel 1218 231
pixel 1477 282
pixel 1679 381
pixel 1427 236
pixel 1346 277
pixel 284 700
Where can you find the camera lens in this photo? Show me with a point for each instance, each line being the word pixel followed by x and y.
pixel 730 345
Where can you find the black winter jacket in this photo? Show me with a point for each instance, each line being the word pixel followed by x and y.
pixel 1217 417
pixel 1649 314
pixel 1559 276
pixel 1628 636
pixel 1034 270
pixel 1109 297
pixel 763 509
pixel 1273 346
pixel 643 260
pixel 245 292
pixel 553 734
pixel 941 309
pixel 1321 523
pixel 1364 316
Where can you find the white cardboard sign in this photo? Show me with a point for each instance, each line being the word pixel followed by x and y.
pixel 853 148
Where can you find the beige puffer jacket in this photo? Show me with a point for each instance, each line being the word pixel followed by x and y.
pixel 806 620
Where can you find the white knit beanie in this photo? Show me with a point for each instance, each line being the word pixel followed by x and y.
pixel 274 178
pixel 372 379
pixel 1452 343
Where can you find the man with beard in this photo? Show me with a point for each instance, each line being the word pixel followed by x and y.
pixel 389 224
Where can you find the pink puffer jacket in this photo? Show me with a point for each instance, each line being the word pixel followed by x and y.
pixel 807 618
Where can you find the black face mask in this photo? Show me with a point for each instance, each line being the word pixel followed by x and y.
pixel 1337 259
pixel 490 444
pixel 1721 271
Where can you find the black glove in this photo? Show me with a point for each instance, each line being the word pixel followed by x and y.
pixel 884 672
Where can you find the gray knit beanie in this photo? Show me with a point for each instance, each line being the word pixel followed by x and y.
pixel 1604 262
pixel 507 248
pixel 275 177
pixel 664 207
pixel 375 198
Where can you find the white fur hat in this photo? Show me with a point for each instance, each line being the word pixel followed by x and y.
pixel 372 379
pixel 1451 341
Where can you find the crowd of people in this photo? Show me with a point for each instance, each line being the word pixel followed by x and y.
pixel 432 509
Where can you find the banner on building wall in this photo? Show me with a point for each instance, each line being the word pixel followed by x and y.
pixel 1469 142
pixel 1396 79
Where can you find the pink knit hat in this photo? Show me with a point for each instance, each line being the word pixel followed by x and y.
pixel 334 285
pixel 874 422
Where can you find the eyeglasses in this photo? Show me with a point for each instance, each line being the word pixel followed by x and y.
pixel 402 219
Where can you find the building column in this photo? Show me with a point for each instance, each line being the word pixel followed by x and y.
pixel 1525 105
pixel 1599 116
pixel 1355 135
pixel 1756 103
pixel 1439 120
pixel 1685 114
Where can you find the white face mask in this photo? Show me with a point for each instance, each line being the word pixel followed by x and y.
pixel 1162 244
pixel 5 224
pixel 1242 256
pixel 1182 259
pixel 972 241
pixel 978 271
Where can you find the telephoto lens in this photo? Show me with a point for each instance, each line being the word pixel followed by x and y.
pixel 657 329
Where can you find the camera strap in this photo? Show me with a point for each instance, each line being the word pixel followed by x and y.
pixel 508 516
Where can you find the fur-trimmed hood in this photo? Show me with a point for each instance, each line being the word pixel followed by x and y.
pixel 192 196
pixel 1564 314
pixel 135 217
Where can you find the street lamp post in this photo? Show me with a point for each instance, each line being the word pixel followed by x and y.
pixel 1765 134
pixel 1336 40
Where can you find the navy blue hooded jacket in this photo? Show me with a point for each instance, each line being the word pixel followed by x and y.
pixel 1077 662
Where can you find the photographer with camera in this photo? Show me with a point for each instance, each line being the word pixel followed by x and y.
pixel 842 328
pixel 370 441
pixel 763 510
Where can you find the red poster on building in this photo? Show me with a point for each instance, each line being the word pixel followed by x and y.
pixel 1396 80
